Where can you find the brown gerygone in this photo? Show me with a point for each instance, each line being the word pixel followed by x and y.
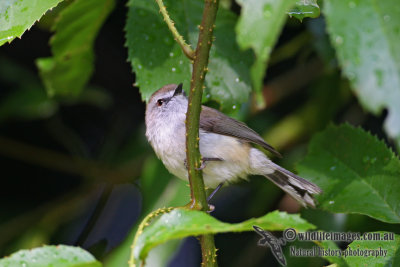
pixel 225 144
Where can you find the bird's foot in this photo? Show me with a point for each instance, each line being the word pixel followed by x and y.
pixel 192 205
pixel 211 208
pixel 203 162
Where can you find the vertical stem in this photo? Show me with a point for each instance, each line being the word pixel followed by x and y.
pixel 198 194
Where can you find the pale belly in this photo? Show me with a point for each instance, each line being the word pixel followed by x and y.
pixel 234 155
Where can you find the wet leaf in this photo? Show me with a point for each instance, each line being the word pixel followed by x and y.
pixel 180 223
pixel 356 171
pixel 305 9
pixel 17 16
pixel 48 256
pixel 366 36
pixel 158 60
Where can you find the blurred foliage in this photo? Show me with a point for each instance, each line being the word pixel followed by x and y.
pixel 158 191
pixel 367 48
pixel 68 71
pixel 77 169
pixel 256 16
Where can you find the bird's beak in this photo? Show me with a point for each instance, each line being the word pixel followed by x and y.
pixel 178 90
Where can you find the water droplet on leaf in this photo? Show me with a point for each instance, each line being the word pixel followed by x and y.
pixel 339 40
pixel 167 40
pixel 267 11
pixel 352 4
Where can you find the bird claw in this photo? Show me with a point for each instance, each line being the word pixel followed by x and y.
pixel 203 163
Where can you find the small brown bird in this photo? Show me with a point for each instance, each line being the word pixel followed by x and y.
pixel 225 145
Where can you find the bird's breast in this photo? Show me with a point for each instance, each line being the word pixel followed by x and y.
pixel 168 141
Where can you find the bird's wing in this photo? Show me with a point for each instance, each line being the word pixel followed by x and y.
pixel 211 120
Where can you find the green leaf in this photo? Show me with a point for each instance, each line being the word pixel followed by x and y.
pixel 49 256
pixel 259 26
pixel 356 171
pixel 158 60
pixel 17 16
pixel 70 68
pixel 366 36
pixel 392 247
pixel 305 9
pixel 180 223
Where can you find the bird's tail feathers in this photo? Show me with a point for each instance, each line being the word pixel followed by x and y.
pixel 297 187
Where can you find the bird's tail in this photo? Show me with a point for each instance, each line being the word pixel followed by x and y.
pixel 299 188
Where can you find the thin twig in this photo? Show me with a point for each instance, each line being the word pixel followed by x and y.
pixel 198 194
pixel 187 50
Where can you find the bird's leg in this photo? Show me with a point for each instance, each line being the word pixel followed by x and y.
pixel 203 162
pixel 211 207
pixel 214 192
pixel 203 165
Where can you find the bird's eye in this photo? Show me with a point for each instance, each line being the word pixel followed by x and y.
pixel 160 102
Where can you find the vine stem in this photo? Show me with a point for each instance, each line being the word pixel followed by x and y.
pixel 145 222
pixel 187 50
pixel 200 63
